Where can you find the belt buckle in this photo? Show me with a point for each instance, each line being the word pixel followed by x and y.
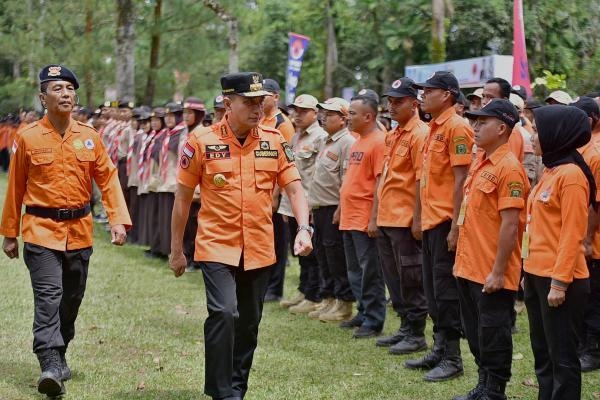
pixel 65 213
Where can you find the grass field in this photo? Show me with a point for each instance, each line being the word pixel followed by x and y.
pixel 139 336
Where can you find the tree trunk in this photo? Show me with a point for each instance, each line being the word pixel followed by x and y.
pixel 438 34
pixel 154 52
pixel 89 45
pixel 125 62
pixel 232 26
pixel 332 56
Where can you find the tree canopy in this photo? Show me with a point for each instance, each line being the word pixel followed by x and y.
pixel 185 45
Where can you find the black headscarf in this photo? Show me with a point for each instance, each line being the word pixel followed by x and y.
pixel 561 131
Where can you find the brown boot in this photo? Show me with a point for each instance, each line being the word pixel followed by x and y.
pixel 342 310
pixel 287 303
pixel 324 306
pixel 304 307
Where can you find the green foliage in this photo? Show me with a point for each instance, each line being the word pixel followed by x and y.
pixel 543 85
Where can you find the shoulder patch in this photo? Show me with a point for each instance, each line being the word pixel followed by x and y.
pixel 289 153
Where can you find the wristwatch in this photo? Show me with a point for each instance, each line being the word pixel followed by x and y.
pixel 307 228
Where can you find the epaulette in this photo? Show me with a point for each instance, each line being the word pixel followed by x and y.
pixel 269 129
pixel 279 120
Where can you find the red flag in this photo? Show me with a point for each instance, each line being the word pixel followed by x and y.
pixel 520 64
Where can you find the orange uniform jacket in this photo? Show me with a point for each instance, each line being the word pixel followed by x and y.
pixel 494 184
pixel 282 123
pixel 557 214
pixel 397 192
pixel 448 145
pixel 517 144
pixel 591 154
pixel 236 184
pixel 51 171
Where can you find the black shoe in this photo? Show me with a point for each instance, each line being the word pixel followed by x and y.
pixel 365 332
pixel 410 344
pixel 450 366
pixel 387 341
pixel 431 359
pixel 590 357
pixel 64 367
pixel 478 392
pixel 50 382
pixel 355 322
pixel 494 390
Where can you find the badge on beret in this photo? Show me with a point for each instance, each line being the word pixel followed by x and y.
pixel 219 98
pixel 89 144
pixel 363 91
pixel 396 84
pixel 219 180
pixel 77 144
pixel 54 71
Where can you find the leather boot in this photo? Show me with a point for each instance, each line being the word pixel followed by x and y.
pixel 50 382
pixel 494 389
pixel 341 311
pixel 478 391
pixel 287 303
pixel 450 366
pixel 431 359
pixel 590 358
pixel 64 367
pixel 414 341
pixel 304 307
pixel 387 341
pixel 324 306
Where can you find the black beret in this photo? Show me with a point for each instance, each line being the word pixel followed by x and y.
pixel 55 72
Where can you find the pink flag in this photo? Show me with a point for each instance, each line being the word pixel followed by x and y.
pixel 520 64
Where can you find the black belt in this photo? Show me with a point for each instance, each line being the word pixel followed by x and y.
pixel 60 214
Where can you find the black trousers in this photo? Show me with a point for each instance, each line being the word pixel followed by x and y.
pixel 554 333
pixel 152 223
pixel 234 299
pixel 487 321
pixel 122 173
pixel 439 283
pixel 281 235
pixel 58 280
pixel 309 267
pixel 329 250
pixel 592 310
pixel 134 210
pixel 142 232
pixel 401 264
pixel 189 234
pixel 165 211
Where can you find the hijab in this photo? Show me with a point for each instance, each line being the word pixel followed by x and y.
pixel 561 131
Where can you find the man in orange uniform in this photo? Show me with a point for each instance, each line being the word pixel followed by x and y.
pixel 358 217
pixel 446 157
pixel 488 262
pixel 400 248
pixel 51 173
pixel 236 162
pixel 590 357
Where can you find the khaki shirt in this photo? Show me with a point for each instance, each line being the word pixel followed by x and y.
pixel 330 167
pixel 305 147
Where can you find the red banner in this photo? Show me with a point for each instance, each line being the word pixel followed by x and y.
pixel 520 64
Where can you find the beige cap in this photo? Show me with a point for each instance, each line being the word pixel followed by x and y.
pixel 476 93
pixel 560 96
pixel 306 101
pixel 517 101
pixel 335 104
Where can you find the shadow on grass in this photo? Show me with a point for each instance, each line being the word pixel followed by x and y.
pixel 22 375
pixel 159 394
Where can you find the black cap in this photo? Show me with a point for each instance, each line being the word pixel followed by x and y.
pixel 126 104
pixel 173 107
pixel 144 115
pixel 271 85
pixel 403 87
pixel 367 94
pixel 461 99
pixel 442 80
pixel 56 72
pixel 502 109
pixel 532 103
pixel 194 103
pixel 218 102
pixel 588 105
pixel 519 91
pixel 158 112
pixel 247 84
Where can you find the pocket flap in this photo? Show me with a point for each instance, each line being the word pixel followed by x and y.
pixel 42 158
pixel 265 164
pixel 85 155
pixel 218 166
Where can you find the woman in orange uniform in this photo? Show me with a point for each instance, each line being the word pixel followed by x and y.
pixel 556 275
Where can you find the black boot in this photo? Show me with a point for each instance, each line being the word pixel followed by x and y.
pixel 64 368
pixel 50 382
pixel 414 341
pixel 450 366
pixel 590 358
pixel 387 341
pixel 478 391
pixel 432 358
pixel 494 389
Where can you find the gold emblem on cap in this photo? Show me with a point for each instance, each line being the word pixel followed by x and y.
pixel 255 78
pixel 77 144
pixel 54 71
pixel 220 180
